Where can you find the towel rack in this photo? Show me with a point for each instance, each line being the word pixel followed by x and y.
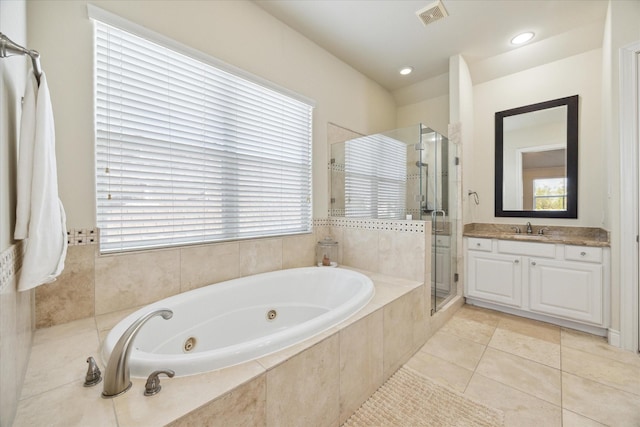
pixel 9 47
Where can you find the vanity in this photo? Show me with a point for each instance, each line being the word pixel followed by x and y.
pixel 555 274
pixel 560 276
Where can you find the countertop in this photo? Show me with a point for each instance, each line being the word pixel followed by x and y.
pixel 581 236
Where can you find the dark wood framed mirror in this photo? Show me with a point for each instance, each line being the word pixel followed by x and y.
pixel 536 168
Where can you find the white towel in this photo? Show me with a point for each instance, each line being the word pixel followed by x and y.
pixel 40 217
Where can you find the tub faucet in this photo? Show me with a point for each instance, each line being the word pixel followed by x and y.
pixel 116 377
pixel 529 229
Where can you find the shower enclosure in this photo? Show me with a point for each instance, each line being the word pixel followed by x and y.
pixel 406 173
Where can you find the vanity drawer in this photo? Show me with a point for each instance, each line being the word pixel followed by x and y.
pixel 476 244
pixel 583 253
pixel 546 250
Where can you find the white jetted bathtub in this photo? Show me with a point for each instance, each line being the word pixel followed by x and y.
pixel 242 319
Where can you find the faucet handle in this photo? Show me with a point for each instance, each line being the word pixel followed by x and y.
pixel 94 376
pixel 542 230
pixel 516 229
pixel 153 382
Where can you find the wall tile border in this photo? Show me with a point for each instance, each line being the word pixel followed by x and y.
pixel 408 226
pixel 10 263
pixel 82 236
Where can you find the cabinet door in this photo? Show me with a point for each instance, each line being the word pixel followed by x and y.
pixel 572 290
pixel 494 277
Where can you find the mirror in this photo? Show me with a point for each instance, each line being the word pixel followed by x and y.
pixel 537 160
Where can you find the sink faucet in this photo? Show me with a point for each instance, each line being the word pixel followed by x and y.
pixel 529 229
pixel 116 377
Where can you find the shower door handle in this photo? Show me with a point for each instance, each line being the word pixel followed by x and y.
pixel 434 219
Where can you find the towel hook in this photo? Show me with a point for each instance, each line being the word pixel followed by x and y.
pixel 476 198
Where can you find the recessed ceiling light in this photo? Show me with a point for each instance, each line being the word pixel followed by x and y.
pixel 406 70
pixel 522 38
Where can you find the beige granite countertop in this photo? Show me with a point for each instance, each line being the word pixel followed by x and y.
pixel 582 236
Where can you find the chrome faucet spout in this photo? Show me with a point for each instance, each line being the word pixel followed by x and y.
pixel 529 229
pixel 117 379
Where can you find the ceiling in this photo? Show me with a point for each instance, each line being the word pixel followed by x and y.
pixel 378 37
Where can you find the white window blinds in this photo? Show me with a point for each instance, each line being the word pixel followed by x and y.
pixel 375 177
pixel 189 153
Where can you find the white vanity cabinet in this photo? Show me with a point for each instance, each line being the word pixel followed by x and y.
pixel 568 289
pixel 495 277
pixel 554 282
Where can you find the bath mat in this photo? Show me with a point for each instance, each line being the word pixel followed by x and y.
pixel 409 399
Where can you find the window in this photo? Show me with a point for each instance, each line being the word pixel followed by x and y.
pixel 188 152
pixel 373 190
pixel 550 194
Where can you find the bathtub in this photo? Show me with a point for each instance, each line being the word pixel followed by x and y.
pixel 238 320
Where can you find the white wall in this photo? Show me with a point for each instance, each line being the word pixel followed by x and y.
pixel 13 71
pixel 433 112
pixel 621 29
pixel 237 32
pixel 580 74
pixel 16 322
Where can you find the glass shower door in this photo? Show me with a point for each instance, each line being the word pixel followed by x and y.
pixel 439 184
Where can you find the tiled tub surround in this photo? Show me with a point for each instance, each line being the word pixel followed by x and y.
pixel 93 284
pixel 582 236
pixel 320 381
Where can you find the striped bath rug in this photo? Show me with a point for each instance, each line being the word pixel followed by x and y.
pixel 408 399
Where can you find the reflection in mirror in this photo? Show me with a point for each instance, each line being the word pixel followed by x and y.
pixel 536 160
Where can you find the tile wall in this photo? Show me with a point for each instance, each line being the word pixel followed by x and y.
pixel 93 284
pixel 16 327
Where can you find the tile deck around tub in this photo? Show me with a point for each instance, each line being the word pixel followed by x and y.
pixel 55 376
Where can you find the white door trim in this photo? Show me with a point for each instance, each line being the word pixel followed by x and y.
pixel 629 191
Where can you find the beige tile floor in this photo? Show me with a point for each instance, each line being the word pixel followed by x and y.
pixel 538 374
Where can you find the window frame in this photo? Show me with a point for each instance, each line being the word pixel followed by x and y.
pixel 306 220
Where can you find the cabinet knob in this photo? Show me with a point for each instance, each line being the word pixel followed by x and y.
pixel 533 263
pixel 583 253
pixel 516 261
pixel 478 244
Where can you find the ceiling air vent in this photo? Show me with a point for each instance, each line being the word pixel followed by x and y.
pixel 432 13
